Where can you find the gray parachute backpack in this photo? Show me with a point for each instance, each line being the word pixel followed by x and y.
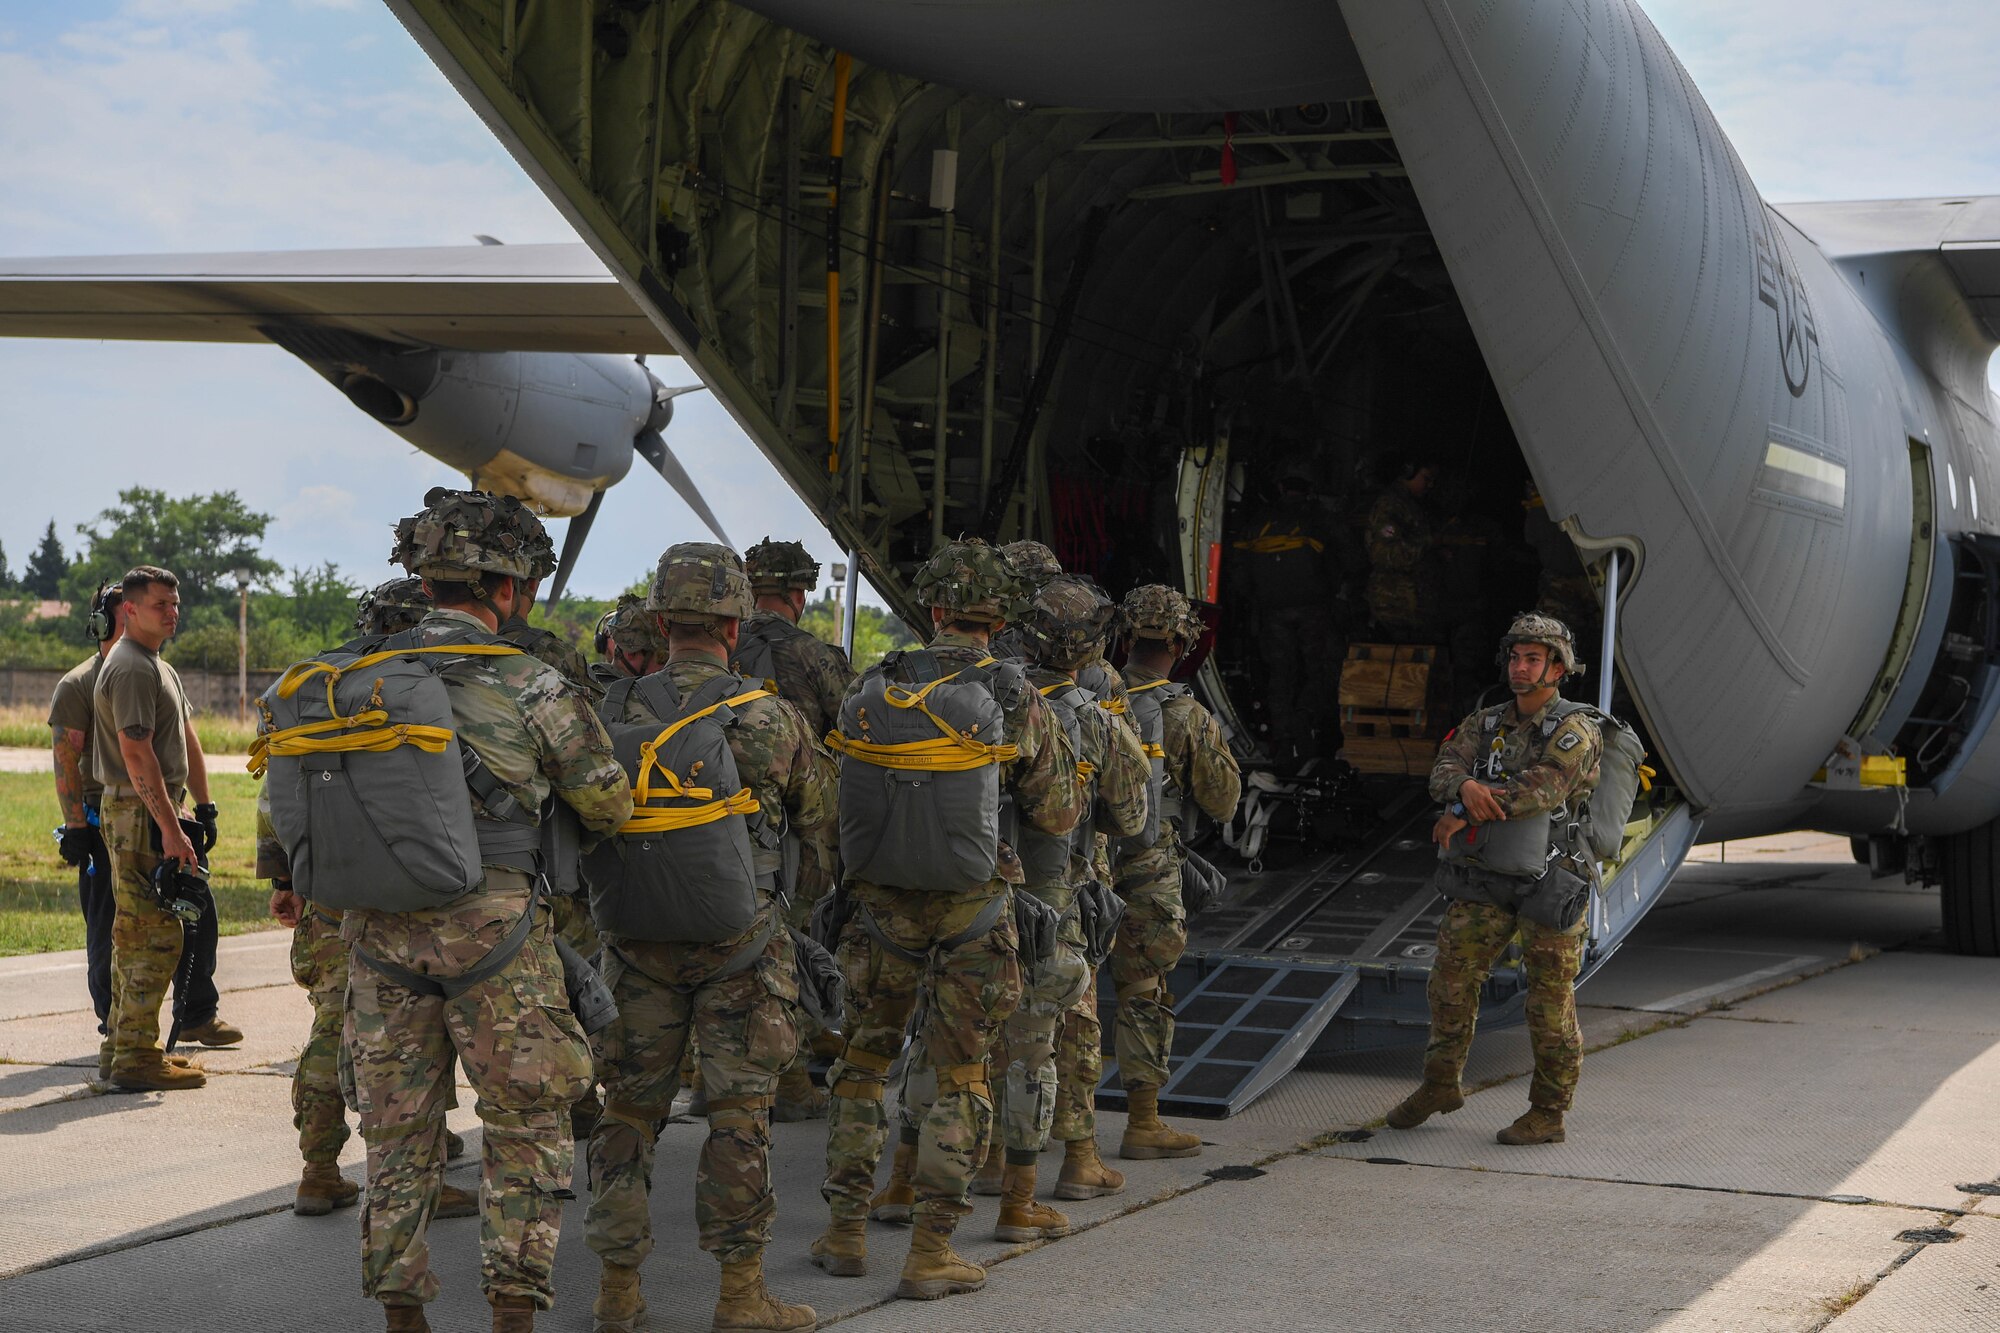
pixel 1147 706
pixel 680 869
pixel 755 657
pixel 1046 856
pixel 1621 771
pixel 920 799
pixel 368 781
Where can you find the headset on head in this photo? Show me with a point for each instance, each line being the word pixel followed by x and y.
pixel 98 623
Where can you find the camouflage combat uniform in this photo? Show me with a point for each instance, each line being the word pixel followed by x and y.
pixel 1404 584
pixel 1153 932
pixel 319 966
pixel 969 991
pixel 513 1033
pixel 742 1020
pixel 1540 763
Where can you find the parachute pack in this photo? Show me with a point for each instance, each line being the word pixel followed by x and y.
pixel 1147 705
pixel 368 781
pixel 680 869
pixel 920 799
pixel 1045 857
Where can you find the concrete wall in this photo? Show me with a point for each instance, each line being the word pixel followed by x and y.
pixel 208 691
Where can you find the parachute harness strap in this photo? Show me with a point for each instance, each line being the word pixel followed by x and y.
pixel 367 731
pixel 1153 749
pixel 648 818
pixel 952 752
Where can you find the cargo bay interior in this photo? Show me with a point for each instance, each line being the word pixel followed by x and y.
pixel 1130 335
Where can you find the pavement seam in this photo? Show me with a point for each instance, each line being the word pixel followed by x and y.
pixel 1836 1306
pixel 1840 1201
pixel 60 1013
pixel 104 1248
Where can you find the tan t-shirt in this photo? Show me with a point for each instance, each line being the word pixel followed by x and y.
pixel 136 688
pixel 70 710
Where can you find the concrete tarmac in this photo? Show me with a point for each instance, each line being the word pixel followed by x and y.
pixel 1789 1089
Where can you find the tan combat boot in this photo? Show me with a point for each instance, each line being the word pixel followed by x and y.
pixel 1021 1218
pixel 1084 1174
pixel 797 1098
pixel 843 1250
pixel 1539 1125
pixel 214 1032
pixel 893 1202
pixel 322 1189
pixel 1146 1135
pixel 406 1319
pixel 989 1179
pixel 1428 1100
pixel 455 1202
pixel 746 1303
pixel 513 1314
pixel 934 1270
pixel 619 1307
pixel 454 1146
pixel 149 1071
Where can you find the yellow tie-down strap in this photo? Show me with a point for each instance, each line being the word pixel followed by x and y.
pixel 649 818
pixel 1280 543
pixel 1114 706
pixel 1154 751
pixel 951 752
pixel 374 735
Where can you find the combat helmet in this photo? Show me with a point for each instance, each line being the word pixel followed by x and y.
pixel 699 583
pixel 1032 561
pixel 632 627
pixel 1067 621
pixel 1534 627
pixel 462 533
pixel 392 607
pixel 780 567
pixel 1155 611
pixel 971 580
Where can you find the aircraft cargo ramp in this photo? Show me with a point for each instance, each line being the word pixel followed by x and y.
pixel 1331 955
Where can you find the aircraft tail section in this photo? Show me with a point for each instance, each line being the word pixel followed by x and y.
pixel 1673 363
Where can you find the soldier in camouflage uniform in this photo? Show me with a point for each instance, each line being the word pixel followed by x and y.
pixel 971 977
pixel 813 676
pixel 1036 564
pixel 739 996
pixel 1523 759
pixel 1153 932
pixel 319 965
pixel 1404 587
pixel 512 1032
pixel 630 641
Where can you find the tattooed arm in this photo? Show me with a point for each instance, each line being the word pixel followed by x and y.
pixel 68 748
pixel 143 767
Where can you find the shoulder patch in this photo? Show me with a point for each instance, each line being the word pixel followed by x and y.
pixel 1569 740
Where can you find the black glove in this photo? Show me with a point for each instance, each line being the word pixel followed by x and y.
pixel 204 815
pixel 822 987
pixel 73 844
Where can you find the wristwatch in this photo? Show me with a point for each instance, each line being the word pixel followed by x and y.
pixel 1456 809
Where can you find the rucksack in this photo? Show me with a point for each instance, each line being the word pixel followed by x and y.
pixel 681 868
pixel 920 799
pixel 368 782
pixel 1621 771
pixel 1045 857
pixel 1147 706
pixel 756 655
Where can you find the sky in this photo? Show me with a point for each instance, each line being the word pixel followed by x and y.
pixel 156 126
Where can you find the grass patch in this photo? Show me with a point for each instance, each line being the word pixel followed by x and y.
pixel 38 909
pixel 28 724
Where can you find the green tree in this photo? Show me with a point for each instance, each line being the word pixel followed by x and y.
pixel 44 575
pixel 201 539
pixel 320 604
pixel 876 632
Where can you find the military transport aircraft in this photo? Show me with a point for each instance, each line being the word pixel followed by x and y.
pixel 496 359
pixel 1094 272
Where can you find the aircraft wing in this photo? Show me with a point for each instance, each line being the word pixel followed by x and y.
pixel 1964 232
pixel 525 298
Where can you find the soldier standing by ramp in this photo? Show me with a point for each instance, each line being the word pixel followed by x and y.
pixel 1191 762
pixel 463 963
pixel 928 741
pixel 687 896
pixel 1507 776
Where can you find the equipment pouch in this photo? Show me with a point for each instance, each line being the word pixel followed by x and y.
pixel 1517 847
pixel 1100 909
pixel 1202 885
pixel 589 998
pixel 1556 900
